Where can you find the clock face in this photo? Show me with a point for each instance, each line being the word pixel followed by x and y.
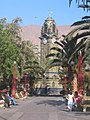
pixel 53 40
pixel 44 40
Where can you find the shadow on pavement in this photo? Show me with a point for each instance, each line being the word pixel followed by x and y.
pixel 51 102
pixel 82 113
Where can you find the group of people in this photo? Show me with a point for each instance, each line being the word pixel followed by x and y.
pixel 6 100
pixel 73 100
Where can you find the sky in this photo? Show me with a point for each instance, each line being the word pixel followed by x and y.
pixel 36 11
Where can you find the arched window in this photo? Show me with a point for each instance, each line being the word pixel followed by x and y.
pixel 54 28
pixel 45 28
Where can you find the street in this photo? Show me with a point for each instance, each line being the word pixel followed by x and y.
pixel 42 108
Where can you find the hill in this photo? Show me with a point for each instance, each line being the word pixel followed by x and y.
pixel 33 32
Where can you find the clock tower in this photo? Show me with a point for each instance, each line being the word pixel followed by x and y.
pixel 49 34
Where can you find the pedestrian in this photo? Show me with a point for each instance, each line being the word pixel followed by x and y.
pixel 70 101
pixel 11 100
pixel 7 102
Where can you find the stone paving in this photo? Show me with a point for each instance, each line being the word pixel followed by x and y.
pixel 42 108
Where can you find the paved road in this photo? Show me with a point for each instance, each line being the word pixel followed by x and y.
pixel 41 108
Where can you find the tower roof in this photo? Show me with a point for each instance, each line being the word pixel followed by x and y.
pixel 49 27
pixel 49 20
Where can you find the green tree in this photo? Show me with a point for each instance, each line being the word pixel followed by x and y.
pixel 68 49
pixel 30 60
pixel 9 50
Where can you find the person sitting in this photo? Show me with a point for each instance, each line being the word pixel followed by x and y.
pixel 12 100
pixel 6 100
pixel 77 99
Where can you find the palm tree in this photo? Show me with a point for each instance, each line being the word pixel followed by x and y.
pixel 68 49
pixel 30 60
pixel 27 51
pixel 70 46
pixel 67 54
pixel 85 4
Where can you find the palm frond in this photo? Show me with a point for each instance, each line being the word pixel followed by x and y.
pixel 81 22
pixel 63 42
pixel 79 47
pixel 70 34
pixel 86 55
pixel 70 2
pixel 53 62
pixel 85 17
pixel 59 43
pixel 51 55
pixel 84 6
pixel 86 27
pixel 57 49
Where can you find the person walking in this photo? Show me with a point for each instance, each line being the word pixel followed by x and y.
pixel 70 101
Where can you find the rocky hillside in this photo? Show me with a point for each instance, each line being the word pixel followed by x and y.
pixel 33 32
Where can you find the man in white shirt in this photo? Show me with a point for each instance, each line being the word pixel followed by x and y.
pixel 70 101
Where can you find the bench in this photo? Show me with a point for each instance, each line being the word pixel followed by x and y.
pixel 85 103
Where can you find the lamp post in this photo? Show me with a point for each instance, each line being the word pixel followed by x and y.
pixel 14 81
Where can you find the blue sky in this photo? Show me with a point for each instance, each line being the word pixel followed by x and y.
pixel 36 11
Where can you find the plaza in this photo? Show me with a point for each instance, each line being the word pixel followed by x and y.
pixel 38 108
pixel 44 60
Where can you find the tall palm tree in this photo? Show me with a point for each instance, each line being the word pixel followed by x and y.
pixel 67 54
pixel 70 46
pixel 75 41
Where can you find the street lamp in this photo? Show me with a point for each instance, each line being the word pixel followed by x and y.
pixel 14 81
